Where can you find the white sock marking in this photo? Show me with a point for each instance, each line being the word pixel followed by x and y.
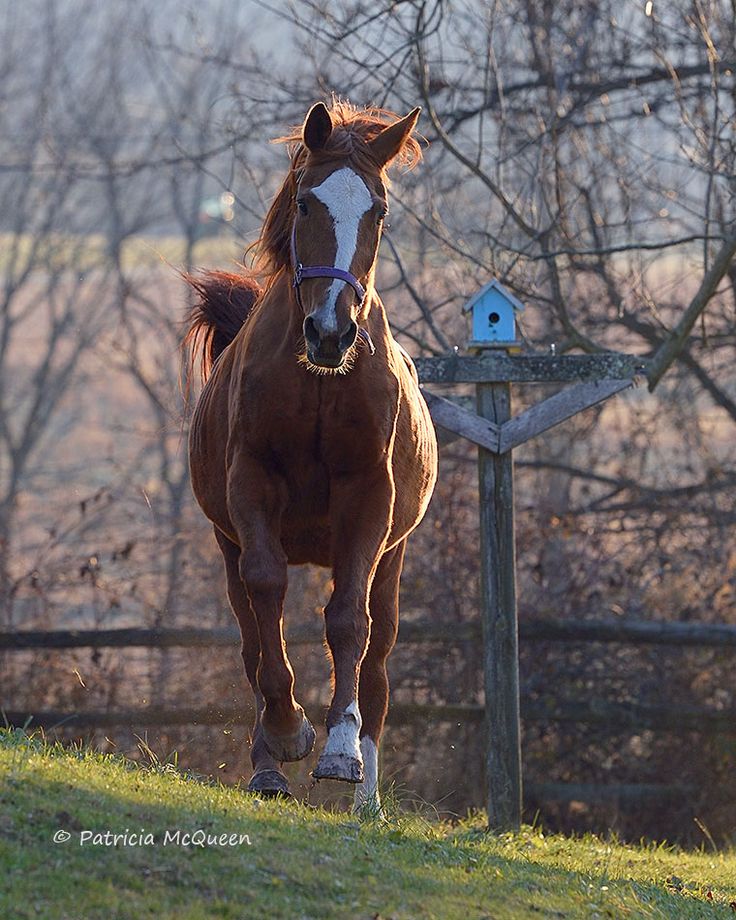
pixel 347 199
pixel 343 738
pixel 368 789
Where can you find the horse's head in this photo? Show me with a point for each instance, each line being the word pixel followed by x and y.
pixel 340 206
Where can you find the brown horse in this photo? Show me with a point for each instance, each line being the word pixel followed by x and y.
pixel 311 441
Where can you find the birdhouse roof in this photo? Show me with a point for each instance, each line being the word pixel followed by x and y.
pixel 495 283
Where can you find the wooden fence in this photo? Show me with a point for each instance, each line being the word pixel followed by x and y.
pixel 613 716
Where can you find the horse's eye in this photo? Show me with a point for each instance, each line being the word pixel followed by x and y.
pixel 381 216
pixel 302 205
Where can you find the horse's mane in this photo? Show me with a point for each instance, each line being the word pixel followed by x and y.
pixel 353 130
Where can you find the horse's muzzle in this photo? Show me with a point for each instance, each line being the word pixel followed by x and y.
pixel 328 348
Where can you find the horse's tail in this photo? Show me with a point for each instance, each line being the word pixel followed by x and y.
pixel 224 302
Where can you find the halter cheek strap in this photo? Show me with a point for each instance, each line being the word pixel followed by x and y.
pixel 304 272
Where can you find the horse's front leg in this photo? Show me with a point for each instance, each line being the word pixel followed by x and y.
pixel 360 517
pixel 257 500
pixel 374 690
pixel 267 779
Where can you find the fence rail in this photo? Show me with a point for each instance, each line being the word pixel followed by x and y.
pixel 609 717
pixel 613 793
pixel 635 632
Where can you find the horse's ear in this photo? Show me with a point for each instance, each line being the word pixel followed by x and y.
pixel 317 127
pixel 390 141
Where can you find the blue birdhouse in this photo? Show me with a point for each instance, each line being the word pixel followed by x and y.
pixel 493 310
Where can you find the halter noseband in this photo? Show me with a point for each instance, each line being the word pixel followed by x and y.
pixel 304 272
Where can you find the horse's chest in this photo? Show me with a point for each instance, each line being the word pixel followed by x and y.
pixel 308 464
pixel 352 439
pixel 328 435
pixel 308 436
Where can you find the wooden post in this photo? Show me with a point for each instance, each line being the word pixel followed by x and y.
pixel 499 619
pixel 496 434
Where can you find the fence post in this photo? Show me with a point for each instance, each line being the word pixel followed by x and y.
pixel 499 618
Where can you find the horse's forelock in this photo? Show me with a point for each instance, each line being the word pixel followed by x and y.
pixel 353 130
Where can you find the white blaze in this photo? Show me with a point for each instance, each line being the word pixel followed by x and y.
pixel 347 198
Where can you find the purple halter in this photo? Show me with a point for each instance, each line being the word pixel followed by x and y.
pixel 302 272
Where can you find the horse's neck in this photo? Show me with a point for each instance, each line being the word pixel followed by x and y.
pixel 280 314
pixel 377 322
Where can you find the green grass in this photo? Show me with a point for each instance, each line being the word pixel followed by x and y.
pixel 304 862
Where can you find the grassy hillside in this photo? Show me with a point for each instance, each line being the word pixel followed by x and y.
pixel 300 862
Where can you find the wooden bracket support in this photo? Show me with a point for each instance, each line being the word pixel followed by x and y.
pixel 448 415
pixel 499 439
pixel 555 409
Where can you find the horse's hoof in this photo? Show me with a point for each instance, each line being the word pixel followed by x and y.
pixel 269 784
pixel 339 766
pixel 285 749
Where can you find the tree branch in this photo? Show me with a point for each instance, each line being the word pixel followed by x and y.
pixel 669 350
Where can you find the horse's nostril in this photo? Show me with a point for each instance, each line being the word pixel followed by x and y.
pixel 347 339
pixel 311 333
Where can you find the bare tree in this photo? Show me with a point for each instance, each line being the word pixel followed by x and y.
pixel 53 294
